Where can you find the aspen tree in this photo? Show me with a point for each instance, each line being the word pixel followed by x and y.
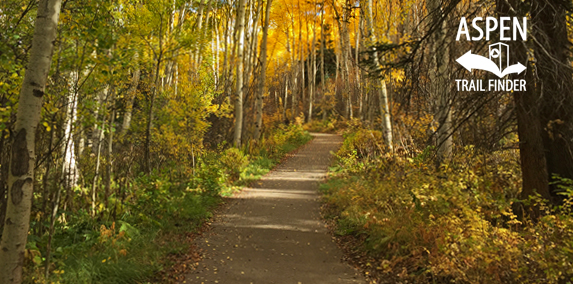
pixel 239 73
pixel 23 156
pixel 262 78
pixel 380 85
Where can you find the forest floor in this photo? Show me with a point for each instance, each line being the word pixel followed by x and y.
pixel 272 232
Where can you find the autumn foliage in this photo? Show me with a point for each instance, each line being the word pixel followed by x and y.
pixel 454 223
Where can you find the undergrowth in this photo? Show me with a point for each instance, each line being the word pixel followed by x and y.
pixel 453 224
pixel 331 125
pixel 130 243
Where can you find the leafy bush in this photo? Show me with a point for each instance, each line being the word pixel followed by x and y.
pixel 131 250
pixel 234 162
pixel 128 241
pixel 209 175
pixel 323 126
pixel 282 140
pixel 366 144
pixel 454 224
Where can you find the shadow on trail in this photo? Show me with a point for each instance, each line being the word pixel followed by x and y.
pixel 272 232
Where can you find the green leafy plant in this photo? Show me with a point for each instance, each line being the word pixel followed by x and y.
pixel 234 162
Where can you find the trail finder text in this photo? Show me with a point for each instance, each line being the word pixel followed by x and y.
pixel 497 62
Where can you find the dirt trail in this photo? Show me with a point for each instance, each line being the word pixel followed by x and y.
pixel 272 233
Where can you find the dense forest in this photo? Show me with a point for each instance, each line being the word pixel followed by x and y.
pixel 124 123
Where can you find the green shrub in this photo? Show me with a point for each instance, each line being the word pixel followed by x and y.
pixel 209 176
pixel 322 126
pixel 283 140
pixel 234 162
pixel 128 242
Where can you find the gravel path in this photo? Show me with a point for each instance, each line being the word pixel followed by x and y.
pixel 272 233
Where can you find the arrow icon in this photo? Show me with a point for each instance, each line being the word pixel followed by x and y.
pixel 515 68
pixel 473 61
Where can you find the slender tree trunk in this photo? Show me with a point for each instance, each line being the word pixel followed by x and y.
pixel 110 151
pixel 198 25
pixel 322 46
pixel 68 143
pixel 131 92
pixel 45 182
pixel 439 79
pixel 70 167
pixel 356 69
pixel 97 171
pixel 199 51
pixel 380 84
pixel 301 60
pixel 385 112
pixel 216 55
pixel 159 59
pixel 53 215
pixel 227 74
pixel 148 130
pixel 312 70
pixel 250 57
pixel 100 98
pixel 23 158
pixel 344 39
pixel 224 73
pixel 262 77
pixel 291 49
pixel 294 94
pixel 285 105
pixel 240 52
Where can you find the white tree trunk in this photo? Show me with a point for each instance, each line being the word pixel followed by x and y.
pixel 23 156
pixel 240 51
pixel 199 51
pixel 385 112
pixel 70 168
pixel 322 77
pixel 131 92
pixel 357 70
pixel 215 52
pixel 380 85
pixel 312 73
pixel 101 100
pixel 262 78
pixel 285 101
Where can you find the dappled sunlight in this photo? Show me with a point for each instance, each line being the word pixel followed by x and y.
pixel 238 219
pixel 274 228
pixel 276 193
pixel 295 176
pixel 299 225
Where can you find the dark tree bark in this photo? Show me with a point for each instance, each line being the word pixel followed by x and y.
pixel 544 122
pixel 555 85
